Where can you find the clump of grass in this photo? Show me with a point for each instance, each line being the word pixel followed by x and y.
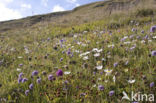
pixel 145 12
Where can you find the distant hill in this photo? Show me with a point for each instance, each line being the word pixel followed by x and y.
pixel 83 14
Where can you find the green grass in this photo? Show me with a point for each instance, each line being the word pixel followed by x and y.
pixel 81 80
pixel 45 52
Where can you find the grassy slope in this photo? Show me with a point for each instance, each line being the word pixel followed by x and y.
pixel 81 80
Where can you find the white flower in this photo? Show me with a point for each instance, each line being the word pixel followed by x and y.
pixel 75 36
pixel 84 54
pixel 131 81
pixel 19 57
pixel 149 40
pixel 101 32
pixel 143 41
pixel 114 79
pixel 78 43
pixel 110 45
pixel 12 49
pixel 94 85
pixel 125 37
pixel 103 59
pixel 128 42
pixel 108 56
pixel 85 32
pixel 18 69
pixel 99 79
pixel 134 41
pixel 67 72
pixel 94 49
pixel 106 81
pixel 26 51
pixel 100 50
pixel 97 55
pixel 84 45
pixel 108 72
pixel 69 45
pixel 97 50
pixel 85 58
pixel 154 37
pixel 99 67
pixel 77 51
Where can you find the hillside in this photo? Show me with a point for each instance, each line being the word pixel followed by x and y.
pixel 83 14
pixel 95 53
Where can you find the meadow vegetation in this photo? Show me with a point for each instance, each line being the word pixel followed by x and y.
pixel 92 62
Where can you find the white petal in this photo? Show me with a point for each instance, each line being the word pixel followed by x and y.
pixel 67 72
pixel 99 67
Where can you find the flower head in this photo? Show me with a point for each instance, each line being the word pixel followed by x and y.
pixel 24 80
pixel 35 72
pixel 154 53
pixel 20 80
pixel 99 67
pixel 131 81
pixel 38 80
pixel 101 87
pixel 61 59
pixel 31 86
pixel 115 64
pixel 20 75
pixel 153 29
pixel 50 77
pixel 59 72
pixel 152 84
pixel 26 92
pixel 44 73
pixel 111 93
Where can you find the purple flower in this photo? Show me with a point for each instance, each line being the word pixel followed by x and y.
pixel 66 82
pixel 94 73
pixel 44 73
pixel 146 37
pixel 132 47
pixel 142 31
pixel 61 40
pixel 115 64
pixel 50 77
pixel 82 94
pixel 133 29
pixel 48 39
pixel 59 72
pixel 24 80
pixel 68 52
pixel 126 62
pixel 153 29
pixel 20 80
pixel 20 65
pixel 154 53
pixel 61 59
pixel 152 84
pixel 26 92
pixel 131 36
pixel 35 72
pixel 31 86
pixel 38 80
pixel 101 73
pixel 63 52
pixel 138 37
pixel 20 75
pixel 101 87
pixel 111 93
